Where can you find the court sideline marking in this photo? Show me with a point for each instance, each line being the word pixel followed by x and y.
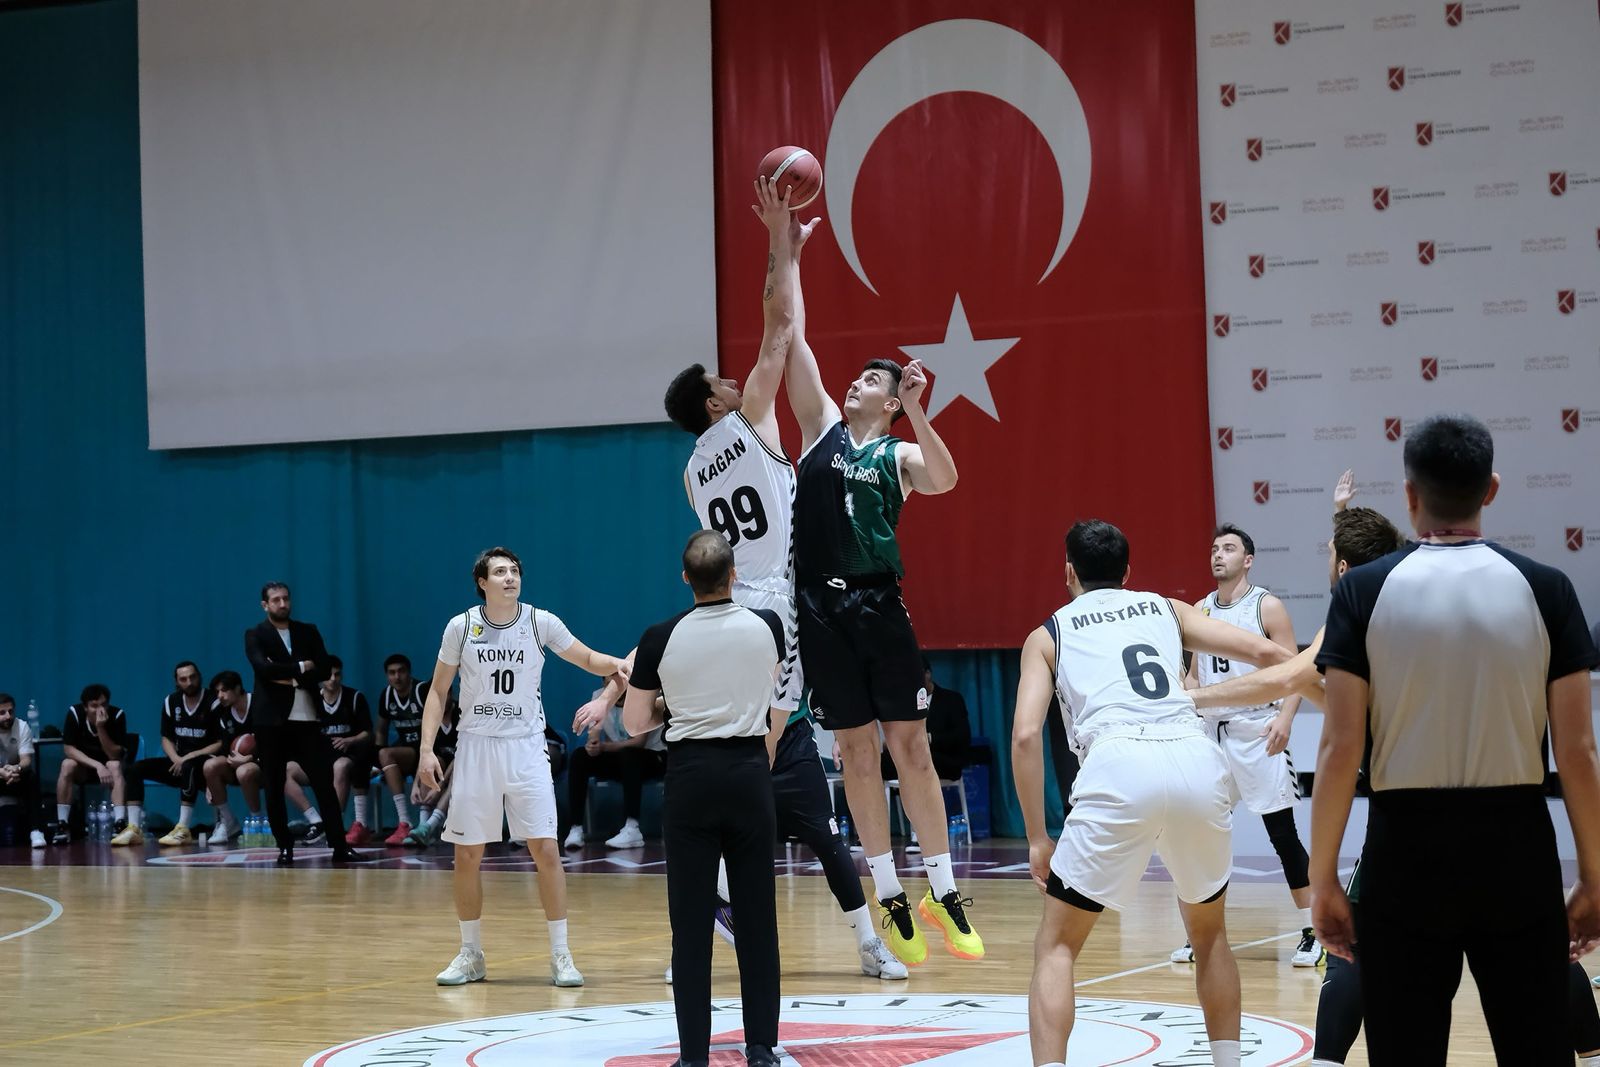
pixel 55 912
pixel 1168 963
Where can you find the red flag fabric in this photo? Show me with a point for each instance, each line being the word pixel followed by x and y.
pixel 1011 193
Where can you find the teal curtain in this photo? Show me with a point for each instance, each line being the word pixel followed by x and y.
pixel 117 562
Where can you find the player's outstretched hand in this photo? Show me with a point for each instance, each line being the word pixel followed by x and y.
pixel 800 232
pixel 771 208
pixel 1039 853
pixel 1343 490
pixel 1583 919
pixel 590 715
pixel 429 771
pixel 913 384
pixel 1334 924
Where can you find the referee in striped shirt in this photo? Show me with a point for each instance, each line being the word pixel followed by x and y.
pixel 1455 655
pixel 715 665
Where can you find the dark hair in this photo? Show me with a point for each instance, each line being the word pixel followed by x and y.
pixel 186 663
pixel 1361 535
pixel 399 658
pixel 1098 551
pixel 708 561
pixel 335 663
pixel 480 569
pixel 7 698
pixel 226 680
pixel 1450 460
pixel 1229 528
pixel 894 371
pixel 686 400
pixel 94 691
pixel 270 586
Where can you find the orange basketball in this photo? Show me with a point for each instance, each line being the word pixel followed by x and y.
pixel 244 744
pixel 796 170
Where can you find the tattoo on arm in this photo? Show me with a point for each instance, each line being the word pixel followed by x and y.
pixel 768 294
pixel 772 262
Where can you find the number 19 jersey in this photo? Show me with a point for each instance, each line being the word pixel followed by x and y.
pixel 745 491
pixel 1119 664
pixel 501 669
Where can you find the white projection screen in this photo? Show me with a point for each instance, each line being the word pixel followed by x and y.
pixel 383 218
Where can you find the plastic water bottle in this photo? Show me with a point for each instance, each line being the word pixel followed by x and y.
pixel 252 831
pixel 33 718
pixel 107 821
pixel 844 830
pixel 958 829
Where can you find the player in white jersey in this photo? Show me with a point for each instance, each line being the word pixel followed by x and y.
pixel 1255 739
pixel 741 484
pixel 1150 779
pixel 502 766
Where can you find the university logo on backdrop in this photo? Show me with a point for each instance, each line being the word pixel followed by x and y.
pixel 919 115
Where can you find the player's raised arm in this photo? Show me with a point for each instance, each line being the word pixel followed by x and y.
pixel 1201 633
pixel 814 410
pixel 1034 686
pixel 428 769
pixel 583 657
pixel 930 468
pixel 777 312
pixel 1298 675
pixel 1280 630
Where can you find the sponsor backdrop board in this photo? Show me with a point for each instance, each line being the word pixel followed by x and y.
pixel 1402 205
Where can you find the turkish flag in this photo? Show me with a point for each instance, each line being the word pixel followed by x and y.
pixel 961 156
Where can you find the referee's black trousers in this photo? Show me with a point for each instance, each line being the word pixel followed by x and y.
pixel 719 804
pixel 1453 873
pixel 303 743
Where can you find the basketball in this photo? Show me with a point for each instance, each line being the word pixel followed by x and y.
pixel 244 745
pixel 796 170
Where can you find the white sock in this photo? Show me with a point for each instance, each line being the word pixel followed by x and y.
pixel 885 882
pixel 940 875
pixel 434 819
pixel 1305 918
pixel 1225 1053
pixel 185 813
pixel 119 811
pixel 225 818
pixel 425 813
pixel 558 935
pixel 1336 1063
pixel 631 824
pixel 1058 1063
pixel 860 921
pixel 362 803
pixel 63 812
pixel 400 808
pixel 472 934
pixel 135 814
pixel 313 816
pixel 722 880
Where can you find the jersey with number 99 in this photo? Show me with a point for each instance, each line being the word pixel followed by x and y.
pixel 501 669
pixel 745 491
pixel 1119 664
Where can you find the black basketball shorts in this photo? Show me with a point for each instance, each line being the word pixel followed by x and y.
pixel 859 654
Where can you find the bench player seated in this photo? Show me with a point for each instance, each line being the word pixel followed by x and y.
pixel 433 802
pixel 399 705
pixel 188 739
pixel 346 722
pixel 235 763
pixel 94 740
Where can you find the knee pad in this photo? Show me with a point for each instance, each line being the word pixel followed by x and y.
pixel 1285 840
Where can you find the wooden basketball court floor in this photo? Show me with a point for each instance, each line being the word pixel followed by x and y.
pixel 207 957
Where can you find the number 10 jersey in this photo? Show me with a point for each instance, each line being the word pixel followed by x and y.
pixel 502 668
pixel 745 491
pixel 1119 665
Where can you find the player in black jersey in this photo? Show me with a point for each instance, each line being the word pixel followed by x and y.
pixel 347 724
pixel 400 705
pixel 188 739
pixel 94 740
pixel 228 766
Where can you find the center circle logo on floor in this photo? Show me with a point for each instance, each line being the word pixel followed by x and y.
pixel 825 1031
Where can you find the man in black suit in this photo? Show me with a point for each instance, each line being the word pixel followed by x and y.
pixel 290 663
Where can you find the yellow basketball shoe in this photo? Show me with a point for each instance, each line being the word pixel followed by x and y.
pixel 901 931
pixel 949 915
pixel 130 835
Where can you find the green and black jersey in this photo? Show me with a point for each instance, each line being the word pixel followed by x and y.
pixel 847 505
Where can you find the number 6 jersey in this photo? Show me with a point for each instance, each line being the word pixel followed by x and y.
pixel 501 668
pixel 1119 665
pixel 745 491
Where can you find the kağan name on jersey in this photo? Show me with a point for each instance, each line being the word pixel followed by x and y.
pixel 723 462
pixel 1090 618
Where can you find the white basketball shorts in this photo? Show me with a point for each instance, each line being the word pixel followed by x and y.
pixel 790 685
pixel 500 776
pixel 1263 783
pixel 1138 795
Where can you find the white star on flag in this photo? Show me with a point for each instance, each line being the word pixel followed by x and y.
pixel 961 364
